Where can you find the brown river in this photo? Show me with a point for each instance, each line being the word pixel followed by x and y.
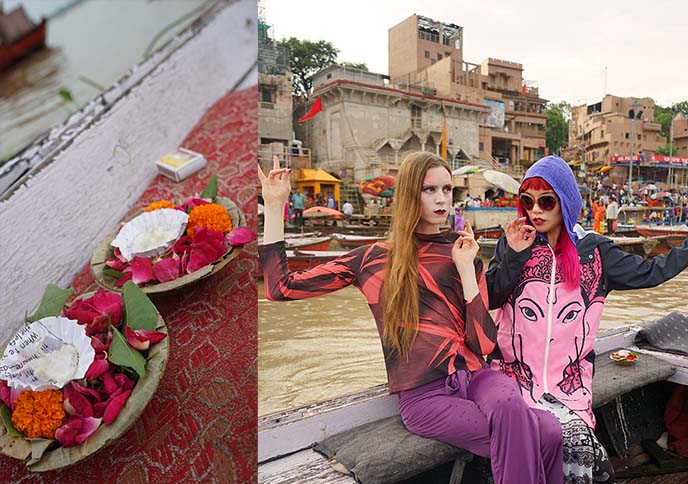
pixel 328 346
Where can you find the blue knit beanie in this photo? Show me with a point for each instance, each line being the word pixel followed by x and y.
pixel 558 174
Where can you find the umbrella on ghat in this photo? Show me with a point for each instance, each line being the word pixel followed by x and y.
pixel 318 211
pixel 501 180
pixel 375 186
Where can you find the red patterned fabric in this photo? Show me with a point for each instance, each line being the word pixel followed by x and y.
pixel 200 425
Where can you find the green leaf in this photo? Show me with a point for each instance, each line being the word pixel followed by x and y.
pixel 110 272
pixel 210 190
pixel 6 416
pixel 124 355
pixel 38 448
pixel 141 313
pixel 54 299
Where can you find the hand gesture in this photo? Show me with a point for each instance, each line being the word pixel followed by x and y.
pixel 276 186
pixel 465 248
pixel 519 235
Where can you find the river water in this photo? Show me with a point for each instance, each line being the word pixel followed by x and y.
pixel 91 44
pixel 328 346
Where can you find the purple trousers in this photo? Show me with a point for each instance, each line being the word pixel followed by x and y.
pixel 484 413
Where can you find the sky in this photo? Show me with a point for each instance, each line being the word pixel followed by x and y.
pixel 563 46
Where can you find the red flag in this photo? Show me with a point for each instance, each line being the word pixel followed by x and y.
pixel 315 109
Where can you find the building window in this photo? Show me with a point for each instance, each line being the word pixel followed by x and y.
pixel 481 146
pixel 445 40
pixel 439 56
pixel 627 135
pixel 268 94
pixel 427 54
pixel 447 54
pixel 432 61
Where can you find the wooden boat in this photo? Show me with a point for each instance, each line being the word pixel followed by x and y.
pixel 655 230
pixel 352 241
pixel 487 247
pixel 642 246
pixel 285 439
pixel 31 37
pixel 308 243
pixel 493 232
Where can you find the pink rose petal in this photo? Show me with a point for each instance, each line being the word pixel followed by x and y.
pixel 88 392
pixel 114 407
pixel 239 236
pixel 142 270
pixel 126 277
pixel 141 339
pixel 75 403
pixel 166 269
pixel 97 368
pixel 76 430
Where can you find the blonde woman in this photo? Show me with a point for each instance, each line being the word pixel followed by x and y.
pixel 428 296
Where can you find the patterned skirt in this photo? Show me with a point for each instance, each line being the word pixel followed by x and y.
pixel 585 459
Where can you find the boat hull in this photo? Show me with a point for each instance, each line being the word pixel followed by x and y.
pixel 34 40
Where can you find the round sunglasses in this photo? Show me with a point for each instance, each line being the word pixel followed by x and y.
pixel 545 202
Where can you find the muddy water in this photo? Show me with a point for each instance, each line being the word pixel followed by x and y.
pixel 323 347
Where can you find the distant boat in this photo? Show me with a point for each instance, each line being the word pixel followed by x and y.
pixel 307 243
pixel 655 230
pixel 352 241
pixel 19 36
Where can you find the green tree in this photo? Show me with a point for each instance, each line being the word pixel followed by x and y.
pixel 305 59
pixel 557 125
pixel 356 65
pixel 663 115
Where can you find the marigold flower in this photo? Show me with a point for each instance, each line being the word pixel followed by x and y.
pixel 210 216
pixel 39 414
pixel 160 204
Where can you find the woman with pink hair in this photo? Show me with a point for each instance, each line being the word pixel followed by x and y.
pixel 548 281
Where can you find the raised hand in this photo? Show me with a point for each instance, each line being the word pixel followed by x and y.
pixel 276 186
pixel 465 248
pixel 519 235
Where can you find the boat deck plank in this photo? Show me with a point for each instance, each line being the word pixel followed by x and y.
pixel 305 467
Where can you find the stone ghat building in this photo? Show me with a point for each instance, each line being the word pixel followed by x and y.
pixel 367 126
pixel 601 130
pixel 428 55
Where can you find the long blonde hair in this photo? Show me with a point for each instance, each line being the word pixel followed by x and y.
pixel 400 296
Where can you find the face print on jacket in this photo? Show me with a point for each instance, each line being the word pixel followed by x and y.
pixel 562 370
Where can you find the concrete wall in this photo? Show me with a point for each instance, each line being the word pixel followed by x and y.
pixel 275 119
pixel 55 219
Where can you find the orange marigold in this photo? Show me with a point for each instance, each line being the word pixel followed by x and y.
pixel 39 414
pixel 160 204
pixel 210 216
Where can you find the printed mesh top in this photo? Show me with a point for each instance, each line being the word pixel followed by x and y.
pixel 452 334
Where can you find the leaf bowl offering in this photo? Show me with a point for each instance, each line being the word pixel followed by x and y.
pixel 624 357
pixel 215 231
pixel 53 423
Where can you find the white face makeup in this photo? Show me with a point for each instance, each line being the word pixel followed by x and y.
pixel 435 200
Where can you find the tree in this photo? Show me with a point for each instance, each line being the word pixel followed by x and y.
pixel 356 65
pixel 557 126
pixel 663 116
pixel 305 59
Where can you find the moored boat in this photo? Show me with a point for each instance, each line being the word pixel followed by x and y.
pixel 655 230
pixel 19 36
pixel 353 241
pixel 493 232
pixel 307 243
pixel 285 439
